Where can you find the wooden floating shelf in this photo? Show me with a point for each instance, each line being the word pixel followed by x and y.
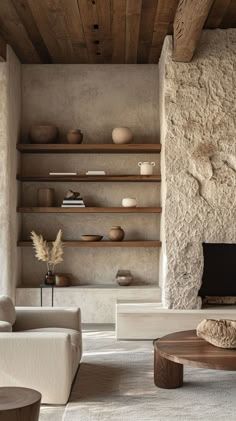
pixel 94 178
pixel 94 286
pixel 89 210
pixel 90 148
pixel 104 243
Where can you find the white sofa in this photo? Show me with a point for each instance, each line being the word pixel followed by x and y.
pixel 40 348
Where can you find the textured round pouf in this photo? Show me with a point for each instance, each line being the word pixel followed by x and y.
pixel 19 404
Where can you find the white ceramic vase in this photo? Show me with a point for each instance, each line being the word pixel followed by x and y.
pixel 122 135
pixel 146 168
pixel 129 202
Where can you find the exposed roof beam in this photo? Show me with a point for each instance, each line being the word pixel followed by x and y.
pixel 3 49
pixel 217 13
pixel 15 34
pixel 133 14
pixel 118 30
pixel 189 21
pixel 24 12
pixel 165 14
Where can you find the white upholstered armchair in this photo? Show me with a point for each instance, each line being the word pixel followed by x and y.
pixel 40 348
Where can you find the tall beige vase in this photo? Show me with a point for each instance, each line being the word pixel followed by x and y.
pixel 45 197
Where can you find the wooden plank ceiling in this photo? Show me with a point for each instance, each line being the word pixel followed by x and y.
pixel 107 31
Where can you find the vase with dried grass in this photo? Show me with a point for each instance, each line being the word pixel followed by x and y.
pixel 51 255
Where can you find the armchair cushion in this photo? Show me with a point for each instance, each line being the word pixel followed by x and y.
pixel 5 327
pixel 40 317
pixel 7 310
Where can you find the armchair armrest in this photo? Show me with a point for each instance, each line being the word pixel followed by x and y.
pixel 42 361
pixel 40 317
pixel 5 327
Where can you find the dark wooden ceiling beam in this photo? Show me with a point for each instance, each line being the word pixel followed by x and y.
pixel 25 15
pixel 96 31
pixel 146 29
pixel 50 18
pixel 75 30
pixel 189 21
pixel 39 12
pixel 15 34
pixel 217 13
pixel 3 49
pixel 164 17
pixel 104 12
pixel 229 19
pixel 118 30
pixel 133 14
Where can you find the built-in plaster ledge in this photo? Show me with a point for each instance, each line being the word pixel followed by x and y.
pixel 150 320
pixel 97 302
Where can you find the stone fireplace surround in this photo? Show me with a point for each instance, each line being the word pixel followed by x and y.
pixel 198 128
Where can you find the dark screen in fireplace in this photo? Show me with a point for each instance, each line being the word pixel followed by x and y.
pixel 219 273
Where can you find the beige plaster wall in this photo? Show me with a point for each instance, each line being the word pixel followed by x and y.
pixel 95 98
pixel 10 113
pixel 198 125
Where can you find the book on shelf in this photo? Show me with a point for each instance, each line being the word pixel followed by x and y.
pixel 73 206
pixel 95 173
pixel 63 173
pixel 73 201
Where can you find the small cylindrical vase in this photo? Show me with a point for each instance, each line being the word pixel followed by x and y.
pixel 49 278
pixel 45 197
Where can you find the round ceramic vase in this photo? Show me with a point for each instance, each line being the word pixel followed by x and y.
pixel 116 234
pixel 122 135
pixel 129 202
pixel 43 133
pixel 74 136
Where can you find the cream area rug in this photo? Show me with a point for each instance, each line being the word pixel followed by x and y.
pixel 115 383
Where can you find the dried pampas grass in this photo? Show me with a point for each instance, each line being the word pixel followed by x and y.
pixel 41 247
pixel 57 250
pixel 43 252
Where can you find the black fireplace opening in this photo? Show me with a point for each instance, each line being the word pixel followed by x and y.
pixel 219 273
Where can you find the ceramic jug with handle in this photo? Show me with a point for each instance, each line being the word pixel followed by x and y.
pixel 146 168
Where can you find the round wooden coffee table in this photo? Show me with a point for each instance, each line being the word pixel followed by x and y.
pixel 19 404
pixel 184 348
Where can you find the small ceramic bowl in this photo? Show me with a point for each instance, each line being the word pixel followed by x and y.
pixel 88 237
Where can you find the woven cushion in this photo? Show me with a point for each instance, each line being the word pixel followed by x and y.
pixel 221 333
pixel 7 310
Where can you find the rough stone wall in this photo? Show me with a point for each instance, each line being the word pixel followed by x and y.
pixel 198 127
pixel 10 106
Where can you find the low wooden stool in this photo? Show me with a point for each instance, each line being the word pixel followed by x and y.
pixel 19 404
pixel 174 351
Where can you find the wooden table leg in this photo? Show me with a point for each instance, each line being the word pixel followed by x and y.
pixel 167 374
pixel 29 413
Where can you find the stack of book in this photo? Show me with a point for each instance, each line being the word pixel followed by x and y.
pixel 95 172
pixel 73 203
